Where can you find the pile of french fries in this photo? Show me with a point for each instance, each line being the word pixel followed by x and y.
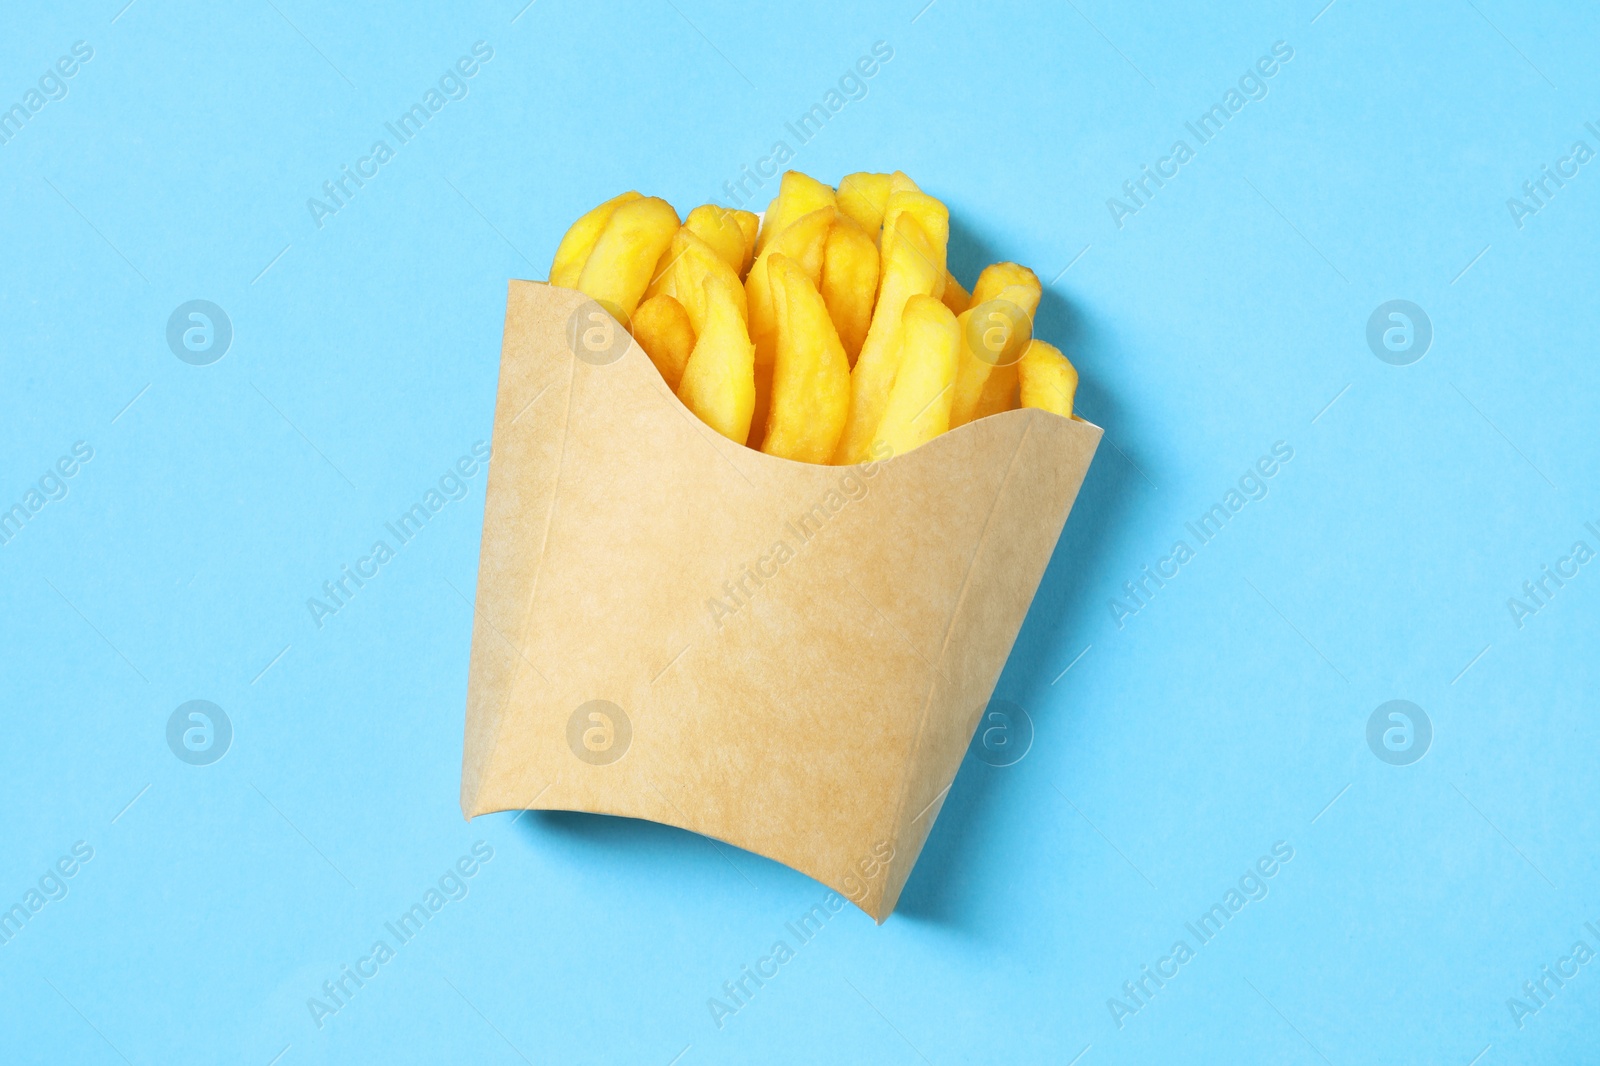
pixel 828 331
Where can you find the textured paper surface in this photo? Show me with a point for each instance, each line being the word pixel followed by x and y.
pixel 819 715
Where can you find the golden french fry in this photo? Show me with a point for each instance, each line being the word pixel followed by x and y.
pixel 863 197
pixel 931 215
pixel 919 404
pixel 574 249
pixel 850 282
pixel 1000 390
pixel 798 196
pixel 805 241
pixel 997 276
pixel 663 330
pixel 750 226
pixel 935 221
pixel 624 258
pixel 811 375
pixel 719 381
pixel 683 270
pixel 999 393
pixel 722 230
pixel 908 270
pixel 761 408
pixel 993 336
pixel 955 297
pixel 1049 380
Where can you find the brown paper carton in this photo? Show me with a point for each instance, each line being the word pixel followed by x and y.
pixel 788 657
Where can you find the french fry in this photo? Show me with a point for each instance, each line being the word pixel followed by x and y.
pixel 935 220
pixel 811 374
pixel 684 267
pixel 955 297
pixel 931 215
pixel 750 226
pixel 998 276
pixel 719 381
pixel 919 404
pixel 1049 380
pixel 850 282
pixel 663 330
pixel 624 258
pixel 724 231
pixel 761 409
pixel 863 197
pixel 805 242
pixel 999 393
pixel 1000 390
pixel 798 196
pixel 993 334
pixel 574 249
pixel 908 270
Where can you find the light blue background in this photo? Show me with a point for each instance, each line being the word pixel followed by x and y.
pixel 1227 715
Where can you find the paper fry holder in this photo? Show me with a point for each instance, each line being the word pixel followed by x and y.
pixel 788 657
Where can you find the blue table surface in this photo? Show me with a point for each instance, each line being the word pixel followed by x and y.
pixel 1423 536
